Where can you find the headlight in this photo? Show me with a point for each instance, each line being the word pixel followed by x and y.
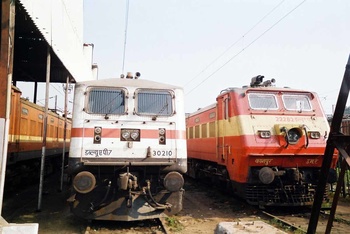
pixel 97 138
pixel 315 135
pixel 293 135
pixel 264 134
pixel 161 131
pixel 97 135
pixel 162 136
pixel 130 135
pixel 98 130
pixel 134 135
pixel 125 134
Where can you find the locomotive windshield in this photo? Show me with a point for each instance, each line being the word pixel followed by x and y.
pixel 262 101
pixel 106 101
pixel 297 102
pixel 154 102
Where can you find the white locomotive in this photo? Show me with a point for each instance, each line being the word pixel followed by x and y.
pixel 128 149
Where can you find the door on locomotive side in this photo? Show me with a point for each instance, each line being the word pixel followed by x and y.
pixel 224 129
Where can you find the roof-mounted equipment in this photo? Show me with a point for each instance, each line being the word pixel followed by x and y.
pixel 129 75
pixel 257 81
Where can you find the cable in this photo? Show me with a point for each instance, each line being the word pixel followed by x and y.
pixel 57 89
pixel 267 30
pixel 264 17
pixel 126 32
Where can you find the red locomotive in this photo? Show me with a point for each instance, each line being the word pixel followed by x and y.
pixel 266 143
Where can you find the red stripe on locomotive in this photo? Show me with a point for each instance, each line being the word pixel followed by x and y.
pixel 115 133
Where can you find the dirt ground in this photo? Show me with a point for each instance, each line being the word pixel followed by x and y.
pixel 54 215
pixel 203 209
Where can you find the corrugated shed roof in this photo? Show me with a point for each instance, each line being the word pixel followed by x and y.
pixel 61 24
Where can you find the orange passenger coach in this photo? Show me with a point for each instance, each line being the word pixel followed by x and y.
pixel 26 136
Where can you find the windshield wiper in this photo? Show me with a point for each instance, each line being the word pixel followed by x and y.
pixel 161 110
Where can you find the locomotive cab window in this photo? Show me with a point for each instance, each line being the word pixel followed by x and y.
pixel 299 102
pixel 154 102
pixel 105 101
pixel 262 101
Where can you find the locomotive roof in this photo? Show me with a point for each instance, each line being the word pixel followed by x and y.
pixel 246 89
pixel 200 110
pixel 119 82
pixel 267 90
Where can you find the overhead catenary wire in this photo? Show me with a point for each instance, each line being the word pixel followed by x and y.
pixel 247 46
pixel 59 91
pixel 238 40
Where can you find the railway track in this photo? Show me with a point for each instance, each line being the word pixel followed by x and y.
pixel 297 221
pixel 283 223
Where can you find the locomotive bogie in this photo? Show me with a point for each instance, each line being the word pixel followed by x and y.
pixel 107 203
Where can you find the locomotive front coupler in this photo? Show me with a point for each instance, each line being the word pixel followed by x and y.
pixel 146 191
pixel 94 207
pixel 129 200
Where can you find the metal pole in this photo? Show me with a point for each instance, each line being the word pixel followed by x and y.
pixel 43 152
pixel 328 154
pixel 64 131
pixel 5 140
pixel 55 103
pixel 344 166
pixel 35 91
pixel 6 67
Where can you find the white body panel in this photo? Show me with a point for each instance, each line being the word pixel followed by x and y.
pixel 111 147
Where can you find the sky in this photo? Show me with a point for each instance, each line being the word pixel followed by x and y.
pixel 207 46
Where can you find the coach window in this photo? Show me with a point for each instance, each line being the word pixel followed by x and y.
pixel 260 101
pixel 106 101
pixel 212 130
pixel 154 102
pixel 25 111
pixel 296 102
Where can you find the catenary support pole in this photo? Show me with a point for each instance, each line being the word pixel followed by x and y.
pixel 43 151
pixel 64 131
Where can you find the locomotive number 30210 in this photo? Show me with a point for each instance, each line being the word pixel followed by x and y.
pixel 162 153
